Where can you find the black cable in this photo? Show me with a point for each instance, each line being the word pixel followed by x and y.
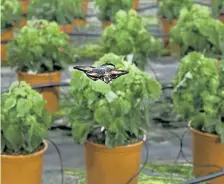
pixel 143 166
pixel 60 157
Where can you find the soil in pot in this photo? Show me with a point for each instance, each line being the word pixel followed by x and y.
pixel 5 37
pixel 135 4
pixel 51 94
pixel 207 151
pixel 67 28
pixel 166 27
pixel 110 166
pixel 23 169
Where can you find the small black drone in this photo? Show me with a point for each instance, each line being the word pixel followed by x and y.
pixel 106 72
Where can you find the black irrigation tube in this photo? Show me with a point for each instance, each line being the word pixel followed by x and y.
pixel 205 178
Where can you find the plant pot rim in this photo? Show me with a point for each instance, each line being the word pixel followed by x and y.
pixel 40 74
pixel 27 155
pixel 115 148
pixel 208 135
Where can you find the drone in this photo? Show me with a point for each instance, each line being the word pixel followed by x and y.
pixel 106 72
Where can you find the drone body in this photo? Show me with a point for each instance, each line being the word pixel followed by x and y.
pixel 105 72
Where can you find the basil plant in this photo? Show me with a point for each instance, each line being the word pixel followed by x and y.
pixel 170 9
pixel 111 114
pixel 199 93
pixel 40 47
pixel 24 121
pixel 60 11
pixel 11 13
pixel 129 36
pixel 196 30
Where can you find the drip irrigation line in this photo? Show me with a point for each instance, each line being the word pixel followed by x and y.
pixel 60 157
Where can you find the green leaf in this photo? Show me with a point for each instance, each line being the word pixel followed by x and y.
pixel 23 106
pixel 35 135
pixel 13 134
pixel 100 86
pixel 80 131
pixel 110 96
pixel 9 103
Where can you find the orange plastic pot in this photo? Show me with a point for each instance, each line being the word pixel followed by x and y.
pixel 85 6
pixel 112 166
pixel 67 28
pixel 78 22
pixel 207 150
pixel 51 94
pixel 166 27
pixel 5 36
pixel 221 17
pixel 135 4
pixel 22 169
pixel 23 22
pixel 25 4
pixel 106 24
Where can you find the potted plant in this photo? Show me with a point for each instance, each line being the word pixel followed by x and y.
pixel 58 11
pixel 79 10
pixel 129 36
pixel 111 120
pixel 108 9
pixel 169 12
pixel 218 9
pixel 24 125
pixel 10 16
pixel 197 31
pixel 39 52
pixel 199 97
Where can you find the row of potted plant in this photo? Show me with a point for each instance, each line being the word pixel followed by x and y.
pixel 197 30
pixel 169 12
pixel 39 52
pixel 68 11
pixel 112 119
pixel 124 104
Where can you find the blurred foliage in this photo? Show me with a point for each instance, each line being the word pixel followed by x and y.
pixel 171 9
pixel 196 30
pixel 199 93
pixel 11 13
pixel 108 8
pixel 60 11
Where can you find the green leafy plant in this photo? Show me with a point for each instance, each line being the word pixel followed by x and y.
pixel 170 9
pixel 128 35
pixel 199 93
pixel 11 13
pixel 24 121
pixel 62 12
pixel 108 8
pixel 40 47
pixel 197 31
pixel 121 107
pixel 217 7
